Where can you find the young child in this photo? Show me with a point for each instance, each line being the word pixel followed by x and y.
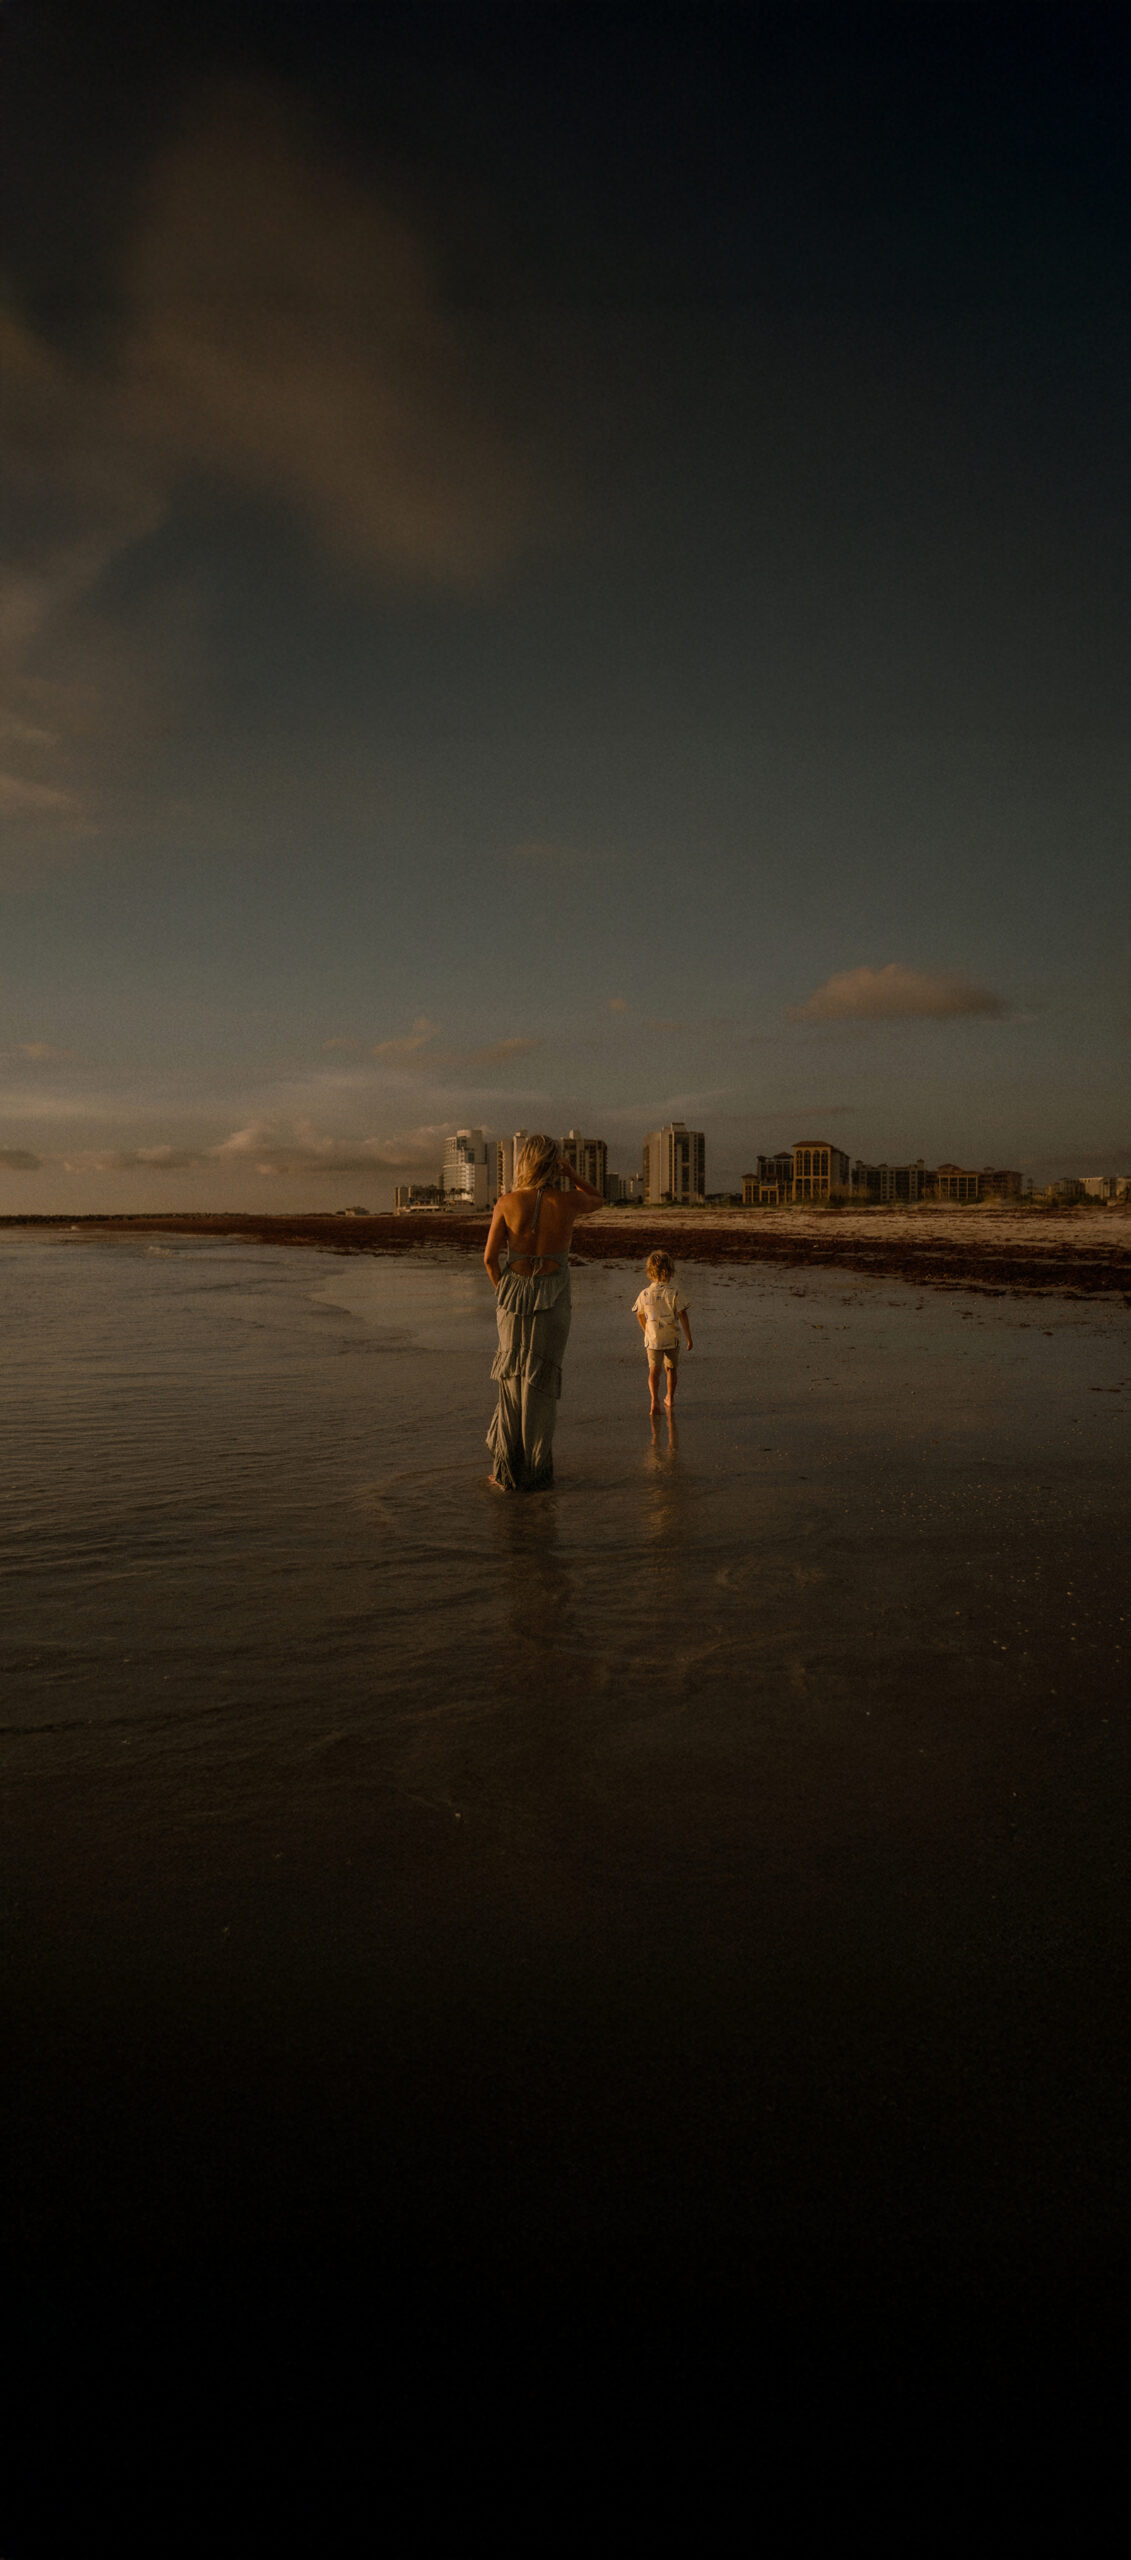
pixel 660 1311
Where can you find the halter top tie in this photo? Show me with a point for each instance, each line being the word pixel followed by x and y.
pixel 529 1252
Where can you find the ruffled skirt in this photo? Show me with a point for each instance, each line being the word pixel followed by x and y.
pixel 533 1317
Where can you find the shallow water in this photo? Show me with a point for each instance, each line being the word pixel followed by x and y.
pixel 245 1496
pixel 710 1873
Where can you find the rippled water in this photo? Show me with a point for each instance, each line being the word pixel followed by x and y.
pixel 245 1499
pixel 709 1872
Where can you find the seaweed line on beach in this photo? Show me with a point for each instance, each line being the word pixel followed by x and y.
pixel 1080 1265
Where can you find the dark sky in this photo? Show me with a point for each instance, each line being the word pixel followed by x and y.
pixel 567 565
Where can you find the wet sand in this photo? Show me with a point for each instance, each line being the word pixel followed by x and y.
pixel 1076 1252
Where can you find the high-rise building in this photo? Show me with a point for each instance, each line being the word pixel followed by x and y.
pixel 507 1153
pixel 465 1168
pixel 675 1165
pixel 590 1158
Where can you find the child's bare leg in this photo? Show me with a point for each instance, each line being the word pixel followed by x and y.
pixel 655 1374
pixel 673 1374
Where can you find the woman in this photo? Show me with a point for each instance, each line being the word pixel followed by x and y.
pixel 534 1225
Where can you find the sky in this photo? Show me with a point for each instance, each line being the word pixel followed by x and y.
pixel 565 566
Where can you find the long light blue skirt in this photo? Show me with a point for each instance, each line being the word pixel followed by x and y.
pixel 533 1318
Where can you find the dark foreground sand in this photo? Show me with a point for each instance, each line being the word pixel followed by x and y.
pixel 1078 1252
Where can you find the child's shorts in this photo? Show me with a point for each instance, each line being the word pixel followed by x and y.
pixel 668 1352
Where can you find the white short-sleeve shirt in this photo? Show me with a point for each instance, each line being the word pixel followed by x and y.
pixel 661 1304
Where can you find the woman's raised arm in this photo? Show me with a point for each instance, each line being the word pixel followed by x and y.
pixel 589 1198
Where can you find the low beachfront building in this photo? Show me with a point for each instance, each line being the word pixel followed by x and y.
pixel 820 1171
pixel 770 1185
pixel 962 1184
pixel 890 1181
pixel 957 1182
pixel 418 1195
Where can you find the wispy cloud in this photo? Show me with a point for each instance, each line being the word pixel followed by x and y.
pixel 19 1160
pixel 270 1147
pixel 420 1049
pixel 21 798
pixel 292 331
pixel 896 994
pixel 618 1004
pixel 133 1159
pixel 496 1053
pixel 38 1053
pixel 284 328
pixel 421 1035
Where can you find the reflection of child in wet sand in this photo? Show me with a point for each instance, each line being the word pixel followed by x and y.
pixel 660 1310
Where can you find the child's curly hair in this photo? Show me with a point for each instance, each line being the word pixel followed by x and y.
pixel 661 1266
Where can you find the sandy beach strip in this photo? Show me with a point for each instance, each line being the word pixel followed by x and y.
pixel 1078 1252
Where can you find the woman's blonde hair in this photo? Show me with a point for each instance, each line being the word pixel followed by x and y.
pixel 660 1266
pixel 535 1162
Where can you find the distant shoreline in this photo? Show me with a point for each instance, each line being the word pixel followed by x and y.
pixel 1077 1252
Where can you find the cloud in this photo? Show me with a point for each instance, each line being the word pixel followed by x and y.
pixel 618 1004
pixel 895 993
pixel 419 1048
pixel 20 798
pixel 293 333
pixel 282 329
pixel 19 1160
pixel 38 1052
pixel 133 1160
pixel 82 491
pixel 270 1148
pixel 421 1034
pixel 497 1053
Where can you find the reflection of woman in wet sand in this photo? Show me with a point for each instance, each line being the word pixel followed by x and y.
pixel 533 1225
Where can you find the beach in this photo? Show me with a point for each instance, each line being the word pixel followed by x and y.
pixel 1077 1252
pixel 700 1886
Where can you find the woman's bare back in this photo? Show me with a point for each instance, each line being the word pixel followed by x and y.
pixel 555 1223
pixel 515 1212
